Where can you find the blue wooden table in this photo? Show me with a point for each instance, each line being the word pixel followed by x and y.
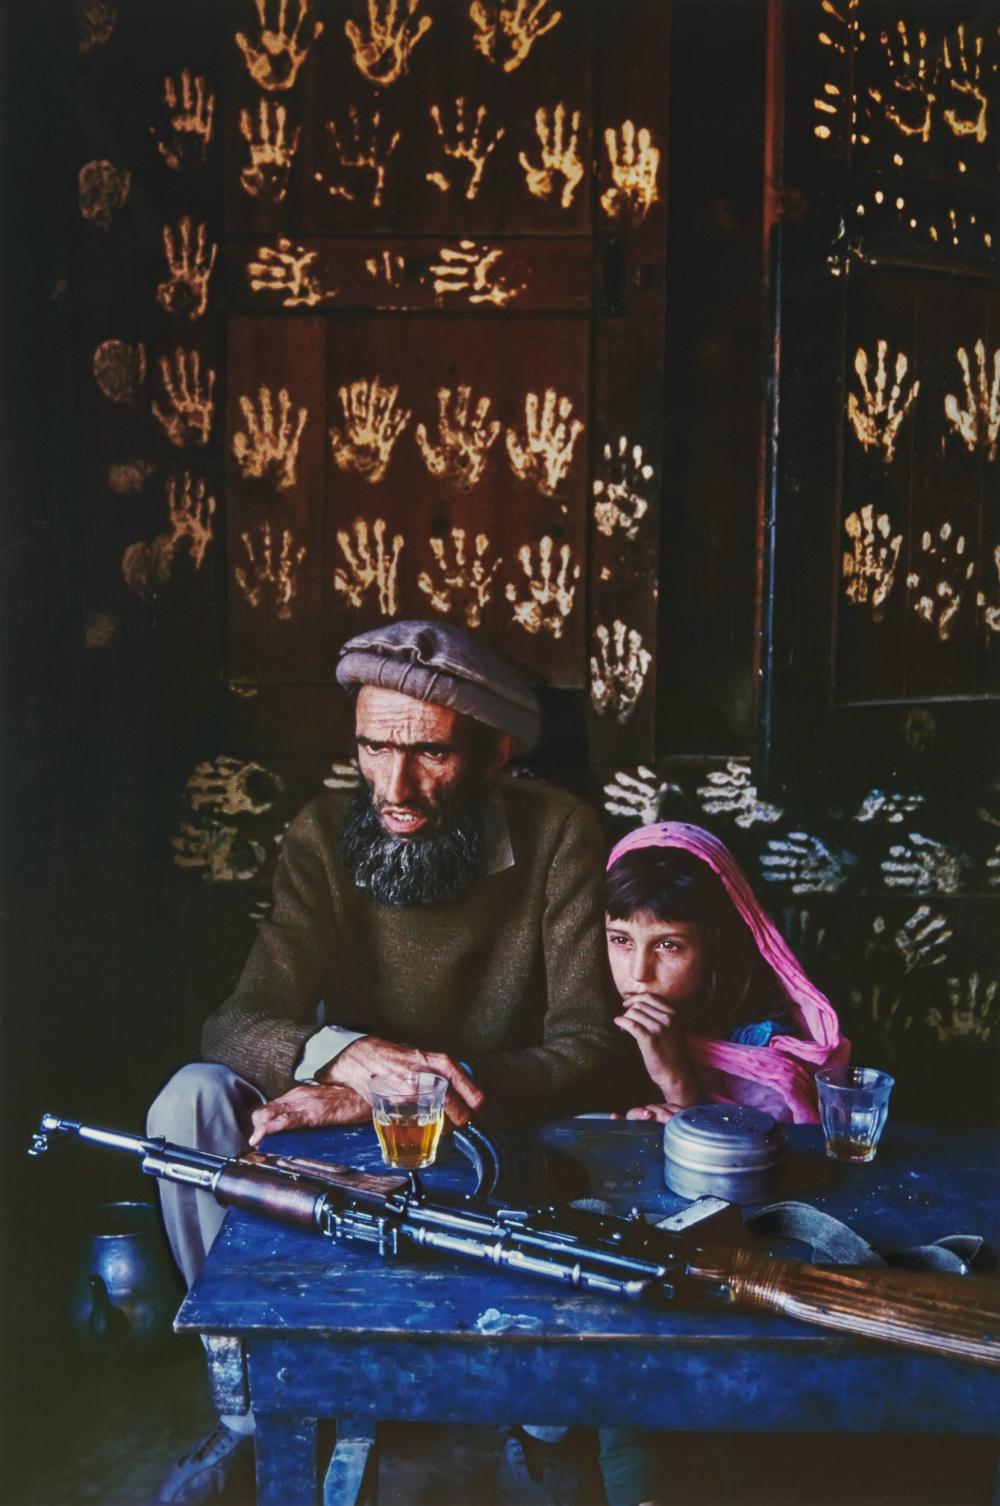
pixel 303 1329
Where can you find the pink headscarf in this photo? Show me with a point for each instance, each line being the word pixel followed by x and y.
pixel 777 1077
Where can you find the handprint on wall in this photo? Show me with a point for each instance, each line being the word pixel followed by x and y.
pixel 232 787
pixel 888 806
pixel 924 866
pixel 270 574
pixel 270 444
pixel 184 291
pixel 272 152
pixel 471 271
pixel 125 476
pixel 372 425
pixel 544 455
pixel 147 564
pixel 908 104
pixel 343 776
pixel 463 586
pixel 119 370
pixel 639 797
pixel 369 564
pixel 387 267
pixel 468 141
pixel 383 55
pixel 805 864
pixel 970 1013
pixel 618 670
pixel 186 417
pixel 869 566
pixel 95 22
pixel 559 157
pixel 511 29
pixel 941 599
pixel 289 270
pixel 103 189
pixel 222 851
pixel 993 868
pixel 991 609
pixel 633 165
pixel 364 149
pixel 731 792
pixel 274 62
pixel 977 424
pixel 921 941
pixel 967 89
pixel 552 578
pixel 463 442
pixel 619 502
pixel 875 419
pixel 190 110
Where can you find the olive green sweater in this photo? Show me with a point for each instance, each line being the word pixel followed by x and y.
pixel 511 978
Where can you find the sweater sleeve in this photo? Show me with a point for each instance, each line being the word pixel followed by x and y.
pixel 260 1030
pixel 578 1064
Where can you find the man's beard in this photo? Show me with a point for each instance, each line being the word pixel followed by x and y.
pixel 427 870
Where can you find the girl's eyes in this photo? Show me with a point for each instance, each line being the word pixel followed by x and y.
pixel 618 939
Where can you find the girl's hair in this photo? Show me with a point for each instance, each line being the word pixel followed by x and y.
pixel 673 884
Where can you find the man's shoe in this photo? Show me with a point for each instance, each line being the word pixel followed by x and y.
pixel 216 1465
pixel 533 1473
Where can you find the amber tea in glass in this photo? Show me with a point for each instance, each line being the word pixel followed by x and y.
pixel 853 1106
pixel 408 1114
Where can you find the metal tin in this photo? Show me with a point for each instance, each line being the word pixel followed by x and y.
pixel 723 1150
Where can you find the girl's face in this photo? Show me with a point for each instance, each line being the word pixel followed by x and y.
pixel 660 959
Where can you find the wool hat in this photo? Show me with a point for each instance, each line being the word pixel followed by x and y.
pixel 434 661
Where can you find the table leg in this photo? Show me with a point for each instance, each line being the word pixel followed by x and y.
pixel 352 1478
pixel 286 1460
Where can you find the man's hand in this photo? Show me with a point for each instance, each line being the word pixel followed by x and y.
pixel 372 1057
pixel 655 1028
pixel 309 1107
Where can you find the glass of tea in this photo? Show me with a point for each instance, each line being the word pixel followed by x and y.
pixel 408 1114
pixel 853 1106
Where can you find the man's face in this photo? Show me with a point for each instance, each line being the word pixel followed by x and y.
pixel 415 758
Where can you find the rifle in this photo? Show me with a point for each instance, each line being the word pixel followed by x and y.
pixel 587 1250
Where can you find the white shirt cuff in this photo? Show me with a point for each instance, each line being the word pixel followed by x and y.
pixel 322 1048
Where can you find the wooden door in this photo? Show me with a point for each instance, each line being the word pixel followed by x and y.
pixel 444 286
pixel 886 463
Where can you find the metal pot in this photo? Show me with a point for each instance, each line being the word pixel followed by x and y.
pixel 124 1288
pixel 723 1150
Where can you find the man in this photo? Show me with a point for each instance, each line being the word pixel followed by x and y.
pixel 442 917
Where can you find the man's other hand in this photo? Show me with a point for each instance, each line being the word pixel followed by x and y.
pixel 371 1057
pixel 309 1107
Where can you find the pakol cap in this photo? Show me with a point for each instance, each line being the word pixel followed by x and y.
pixel 434 661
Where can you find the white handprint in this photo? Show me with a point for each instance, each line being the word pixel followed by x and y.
pixel 890 806
pixel 970 1011
pixel 730 793
pixel 924 866
pixel 638 796
pixel 806 864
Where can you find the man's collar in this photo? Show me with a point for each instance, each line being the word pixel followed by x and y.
pixel 496 835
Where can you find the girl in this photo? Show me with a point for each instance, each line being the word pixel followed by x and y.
pixel 716 1002
pixel 721 1012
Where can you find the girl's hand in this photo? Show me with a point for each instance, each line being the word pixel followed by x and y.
pixel 656 1029
pixel 658 1111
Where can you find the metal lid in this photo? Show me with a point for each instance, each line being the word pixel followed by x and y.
pixel 723 1137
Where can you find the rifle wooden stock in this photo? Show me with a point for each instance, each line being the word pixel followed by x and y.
pixel 947 1315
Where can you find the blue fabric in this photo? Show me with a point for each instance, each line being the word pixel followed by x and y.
pixel 761 1032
